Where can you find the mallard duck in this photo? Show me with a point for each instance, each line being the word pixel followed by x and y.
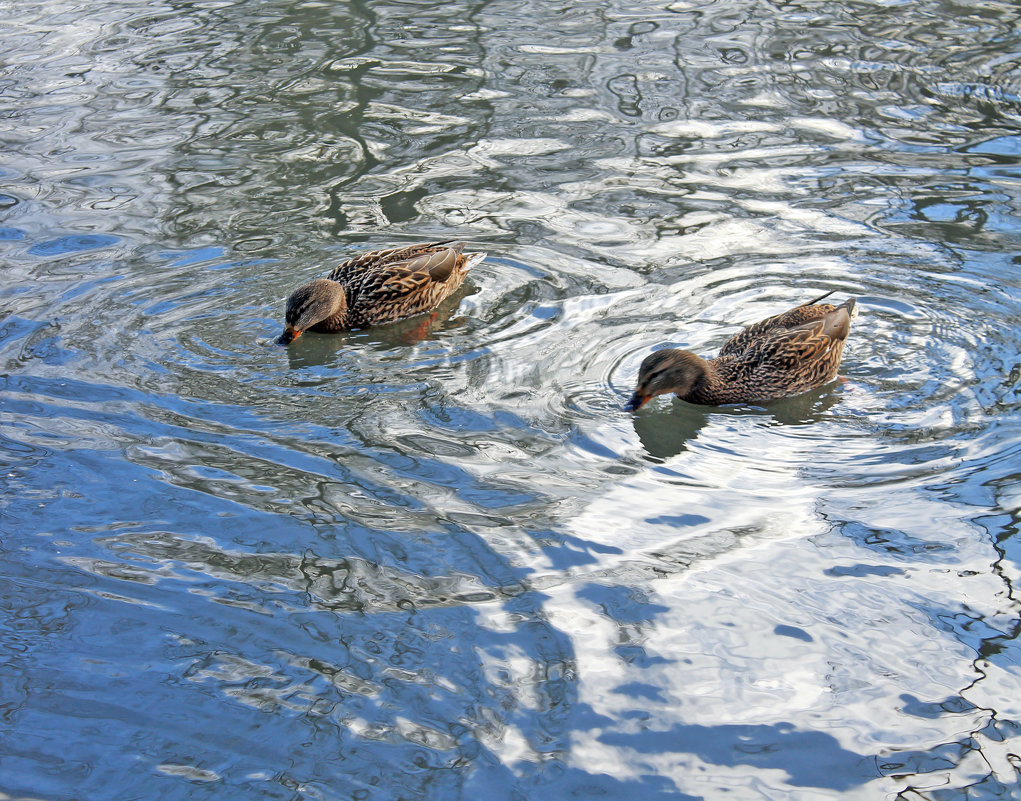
pixel 778 357
pixel 378 287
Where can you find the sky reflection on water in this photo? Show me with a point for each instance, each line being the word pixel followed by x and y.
pixel 439 561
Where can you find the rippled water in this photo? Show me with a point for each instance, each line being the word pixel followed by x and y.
pixel 436 560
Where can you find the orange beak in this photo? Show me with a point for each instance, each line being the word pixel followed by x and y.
pixel 638 400
pixel 290 334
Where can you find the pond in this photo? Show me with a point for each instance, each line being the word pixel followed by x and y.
pixel 437 559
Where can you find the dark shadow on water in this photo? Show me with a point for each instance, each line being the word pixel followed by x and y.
pixel 491 779
pixel 809 758
pixel 811 407
pixel 666 428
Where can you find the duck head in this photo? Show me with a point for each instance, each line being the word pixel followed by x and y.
pixel 311 304
pixel 668 370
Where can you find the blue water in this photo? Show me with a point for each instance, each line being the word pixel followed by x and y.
pixel 437 560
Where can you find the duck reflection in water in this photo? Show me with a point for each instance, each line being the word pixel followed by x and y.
pixel 666 430
pixel 779 357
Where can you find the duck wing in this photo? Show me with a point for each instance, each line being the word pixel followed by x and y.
pixel 407 286
pixel 777 324
pixel 406 277
pixel 379 259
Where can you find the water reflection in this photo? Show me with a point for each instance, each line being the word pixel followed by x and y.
pixel 665 428
pixel 664 432
pixel 435 559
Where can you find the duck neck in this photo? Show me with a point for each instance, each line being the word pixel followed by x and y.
pixel 338 321
pixel 701 377
pixel 719 383
pixel 338 316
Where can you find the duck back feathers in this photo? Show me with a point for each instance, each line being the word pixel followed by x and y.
pixel 781 356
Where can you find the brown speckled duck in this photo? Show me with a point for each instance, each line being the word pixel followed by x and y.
pixel 378 287
pixel 776 358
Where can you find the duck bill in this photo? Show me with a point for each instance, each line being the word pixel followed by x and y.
pixel 638 400
pixel 289 335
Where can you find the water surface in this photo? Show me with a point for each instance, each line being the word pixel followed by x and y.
pixel 436 560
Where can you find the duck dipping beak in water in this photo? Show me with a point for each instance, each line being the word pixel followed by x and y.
pixel 638 400
pixel 378 287
pixel 779 357
pixel 288 336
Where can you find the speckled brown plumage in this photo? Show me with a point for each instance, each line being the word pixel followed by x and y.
pixel 379 287
pixel 778 357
